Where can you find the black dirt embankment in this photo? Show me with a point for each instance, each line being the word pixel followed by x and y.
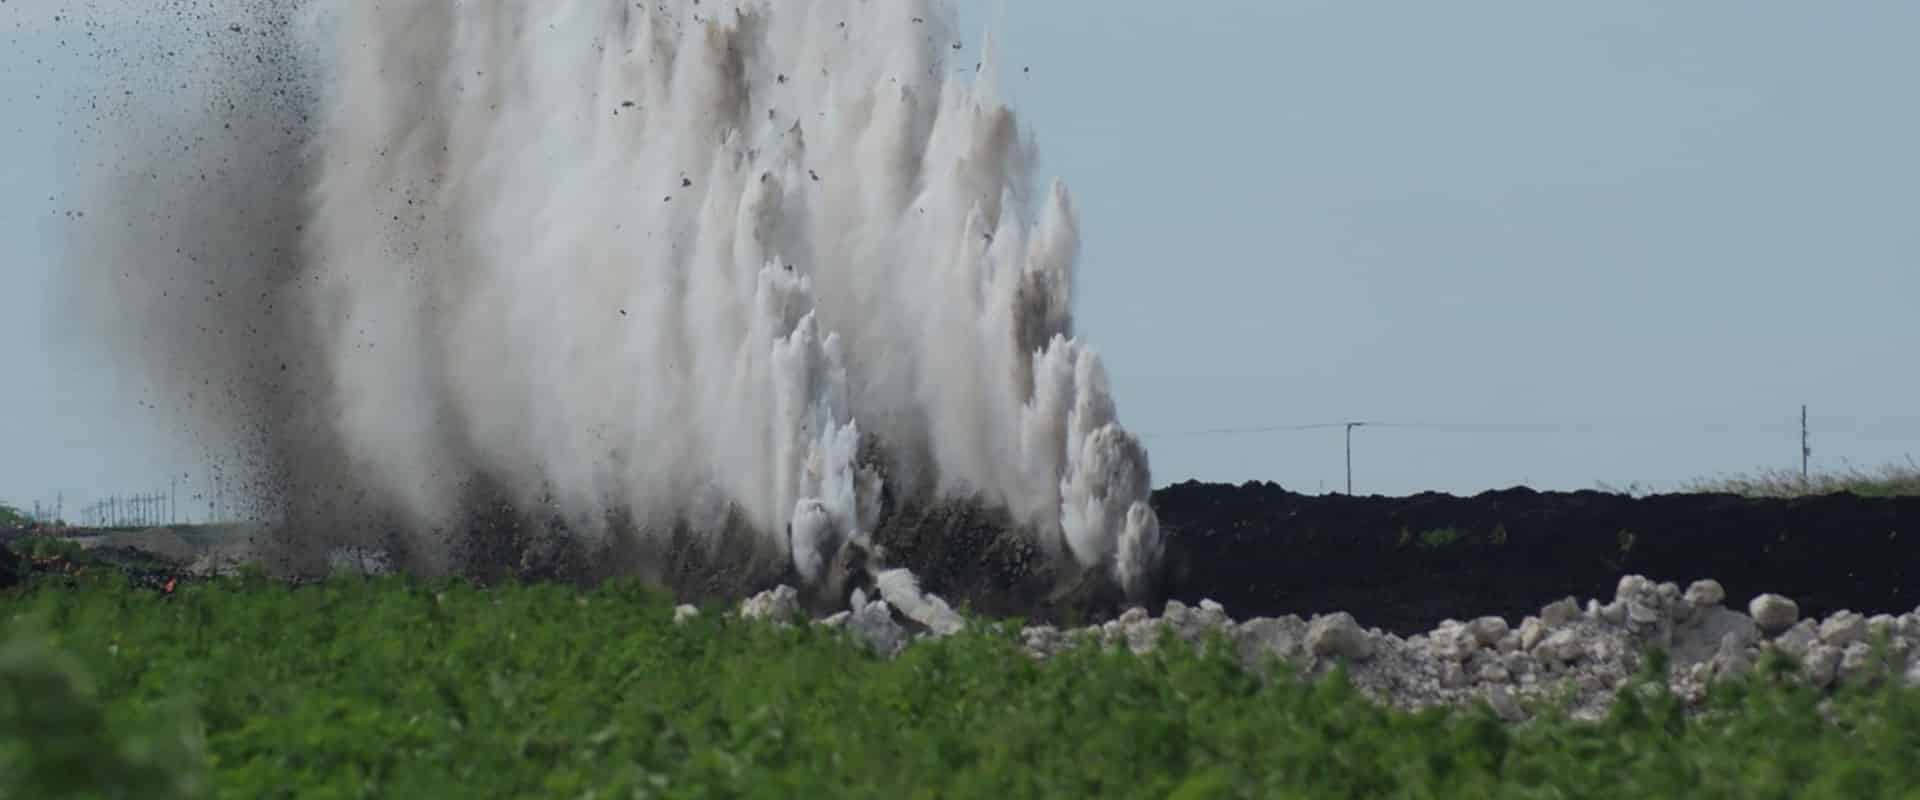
pixel 1398 563
pixel 12 566
pixel 1404 564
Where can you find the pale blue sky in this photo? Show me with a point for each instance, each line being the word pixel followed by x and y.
pixel 1615 242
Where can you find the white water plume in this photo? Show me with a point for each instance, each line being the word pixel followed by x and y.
pixel 698 260
pixel 679 257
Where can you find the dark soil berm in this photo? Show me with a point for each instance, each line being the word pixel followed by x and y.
pixel 1405 563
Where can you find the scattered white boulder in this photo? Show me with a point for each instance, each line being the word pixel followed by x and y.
pixel 1488 631
pixel 1843 628
pixel 1710 632
pixel 1856 660
pixel 1822 665
pixel 780 604
pixel 872 624
pixel 1501 700
pixel 1773 613
pixel 1213 615
pixel 1883 625
pixel 1042 641
pixel 683 613
pixel 1561 653
pixel 1452 641
pixel 1262 637
pixel 1533 631
pixel 1338 635
pixel 1797 640
pixel 1706 593
pixel 1560 647
pixel 1559 612
pixel 901 589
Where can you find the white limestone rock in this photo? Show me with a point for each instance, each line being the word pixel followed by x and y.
pixel 1560 647
pixel 1843 628
pixel 1501 700
pixel 1797 640
pixel 1338 635
pixel 1283 638
pixel 1533 630
pixel 1705 593
pixel 1452 641
pixel 874 626
pixel 1559 612
pixel 1488 631
pixel 779 604
pixel 1822 665
pixel 1773 613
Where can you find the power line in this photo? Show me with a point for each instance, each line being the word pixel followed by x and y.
pixel 1237 431
pixel 1614 427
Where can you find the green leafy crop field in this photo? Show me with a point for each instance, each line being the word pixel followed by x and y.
pixel 247 688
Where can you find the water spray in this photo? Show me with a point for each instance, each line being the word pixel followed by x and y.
pixel 705 264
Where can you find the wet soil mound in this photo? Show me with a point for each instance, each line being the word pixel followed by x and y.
pixel 1406 563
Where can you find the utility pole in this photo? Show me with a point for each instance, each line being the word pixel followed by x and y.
pixel 1350 427
pixel 1805 451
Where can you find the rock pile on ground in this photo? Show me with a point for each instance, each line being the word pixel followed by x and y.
pixel 1568 655
pixel 885 623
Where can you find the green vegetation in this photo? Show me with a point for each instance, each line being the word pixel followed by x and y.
pixel 396 688
pixel 1435 539
pixel 11 517
pixel 1886 481
pixel 1439 538
pixel 58 738
pixel 41 547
